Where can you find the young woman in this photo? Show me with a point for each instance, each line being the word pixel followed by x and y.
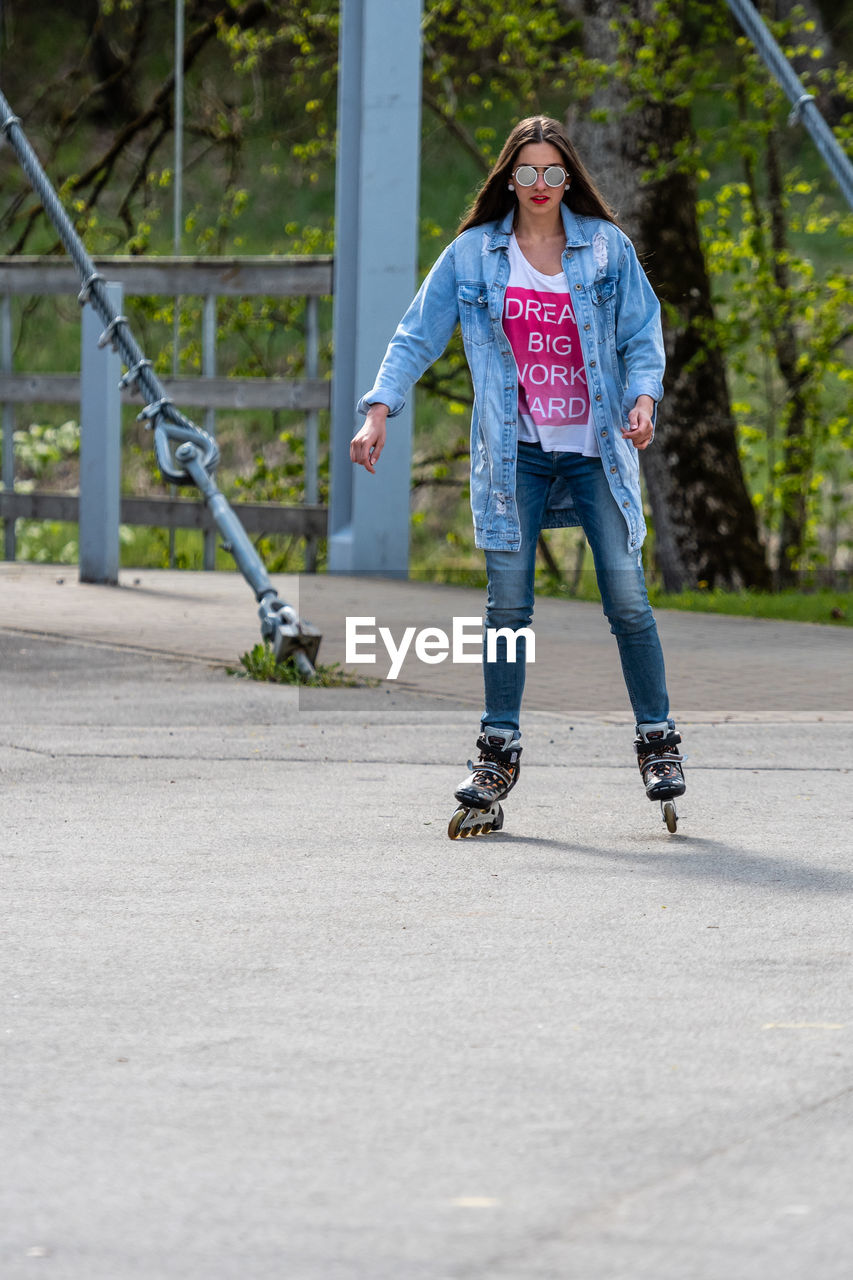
pixel 562 336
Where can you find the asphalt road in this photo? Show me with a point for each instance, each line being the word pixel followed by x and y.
pixel 262 1018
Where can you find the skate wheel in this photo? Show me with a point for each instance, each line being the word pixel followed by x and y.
pixel 455 823
pixel 474 822
pixel 670 815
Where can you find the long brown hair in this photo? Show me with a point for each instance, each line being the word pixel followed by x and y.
pixel 494 199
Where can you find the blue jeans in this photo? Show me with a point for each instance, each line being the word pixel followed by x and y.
pixel 620 580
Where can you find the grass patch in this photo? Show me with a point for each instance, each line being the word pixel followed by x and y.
pixel 823 605
pixel 832 608
pixel 819 605
pixel 260 664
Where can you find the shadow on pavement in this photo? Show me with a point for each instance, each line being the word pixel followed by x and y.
pixel 721 861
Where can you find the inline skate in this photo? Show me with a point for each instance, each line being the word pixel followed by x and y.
pixel 491 779
pixel 660 764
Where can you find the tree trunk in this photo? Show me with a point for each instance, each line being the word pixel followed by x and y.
pixel 797 448
pixel 113 71
pixel 705 525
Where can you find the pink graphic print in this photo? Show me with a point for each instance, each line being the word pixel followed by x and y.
pixel 543 334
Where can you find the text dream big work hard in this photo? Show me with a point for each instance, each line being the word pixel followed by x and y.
pixel 553 380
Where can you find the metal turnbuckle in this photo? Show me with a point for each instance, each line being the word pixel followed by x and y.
pixel 190 444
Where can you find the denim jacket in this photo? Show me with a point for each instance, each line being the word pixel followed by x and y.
pixel 618 319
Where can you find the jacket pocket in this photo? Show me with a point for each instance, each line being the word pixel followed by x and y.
pixel 474 314
pixel 603 295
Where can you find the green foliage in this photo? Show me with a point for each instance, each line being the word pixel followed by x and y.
pixel 794 429
pixel 831 608
pixel 785 316
pixel 294 47
pixel 776 240
pixel 41 447
pixel 260 664
pixel 658 60
pixel 809 602
pixel 46 542
pixel 261 98
pixel 480 58
pixel 45 451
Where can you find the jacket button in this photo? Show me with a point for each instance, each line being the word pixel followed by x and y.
pixel 592 364
pixel 604 433
pixel 586 326
pixel 570 255
pixel 578 286
pixel 626 503
pixel 613 471
pixel 598 397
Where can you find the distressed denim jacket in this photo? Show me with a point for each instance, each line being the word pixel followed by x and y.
pixel 618 318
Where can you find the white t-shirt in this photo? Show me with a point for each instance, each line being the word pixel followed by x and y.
pixel 553 397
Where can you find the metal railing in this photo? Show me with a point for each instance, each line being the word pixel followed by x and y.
pixel 186 454
pixel 210 279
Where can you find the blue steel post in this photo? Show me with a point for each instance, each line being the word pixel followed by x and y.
pixel 376 218
pixel 100 448
pixel 8 475
pixel 208 370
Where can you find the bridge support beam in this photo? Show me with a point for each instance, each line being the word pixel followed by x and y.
pixel 376 219
pixel 100 449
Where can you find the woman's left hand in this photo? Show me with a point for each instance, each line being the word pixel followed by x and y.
pixel 641 427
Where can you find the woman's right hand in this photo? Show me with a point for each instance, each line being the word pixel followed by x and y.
pixel 368 443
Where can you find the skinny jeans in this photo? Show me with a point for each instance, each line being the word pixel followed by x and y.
pixel 620 577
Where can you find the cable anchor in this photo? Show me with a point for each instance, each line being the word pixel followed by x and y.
pixel 85 293
pixel 155 410
pixel 796 111
pixel 131 377
pixel 107 338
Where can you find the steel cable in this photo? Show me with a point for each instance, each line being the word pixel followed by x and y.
pixel 196 453
pixel 159 413
pixel 803 105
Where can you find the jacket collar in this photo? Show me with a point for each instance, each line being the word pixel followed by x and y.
pixel 572 225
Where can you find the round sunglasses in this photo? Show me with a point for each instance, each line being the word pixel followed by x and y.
pixel 554 175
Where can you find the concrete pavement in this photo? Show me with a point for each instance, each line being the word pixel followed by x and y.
pixel 719 668
pixel 261 1018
